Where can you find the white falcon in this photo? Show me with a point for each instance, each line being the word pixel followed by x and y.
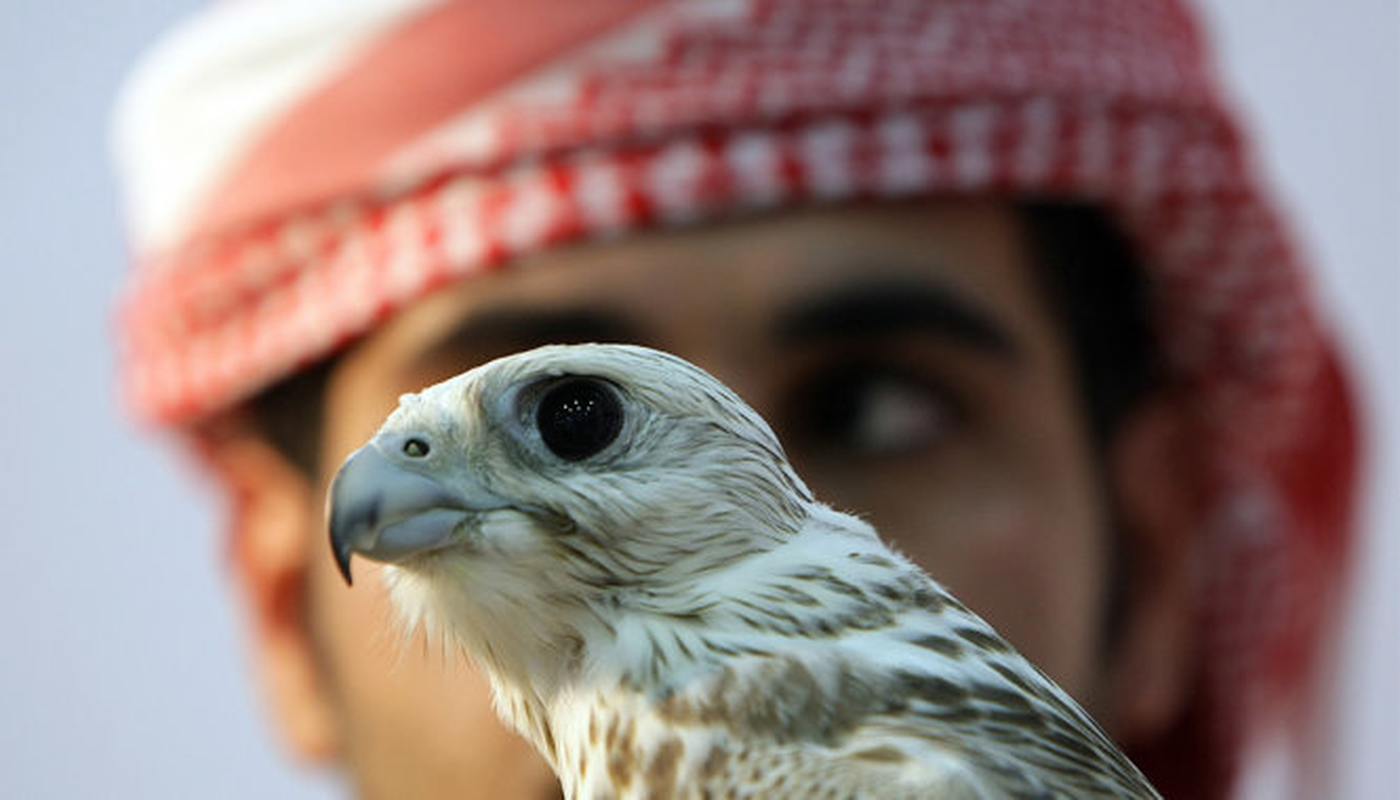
pixel 664 609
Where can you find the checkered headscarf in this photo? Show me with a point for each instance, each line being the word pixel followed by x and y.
pixel 296 171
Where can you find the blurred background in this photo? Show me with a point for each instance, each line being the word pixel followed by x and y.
pixel 123 674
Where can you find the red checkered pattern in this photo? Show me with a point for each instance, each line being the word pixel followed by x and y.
pixel 713 110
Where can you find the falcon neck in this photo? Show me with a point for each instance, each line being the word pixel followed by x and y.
pixel 833 576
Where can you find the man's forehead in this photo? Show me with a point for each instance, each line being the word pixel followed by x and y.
pixel 731 279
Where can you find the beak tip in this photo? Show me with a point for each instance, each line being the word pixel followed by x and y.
pixel 342 562
pixel 341 514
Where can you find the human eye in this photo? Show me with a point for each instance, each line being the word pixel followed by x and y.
pixel 867 409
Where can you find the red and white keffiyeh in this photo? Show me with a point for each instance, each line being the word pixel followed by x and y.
pixel 296 171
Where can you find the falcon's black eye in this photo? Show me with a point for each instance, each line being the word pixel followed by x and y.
pixel 578 418
pixel 415 448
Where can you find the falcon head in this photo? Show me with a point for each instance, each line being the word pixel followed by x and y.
pixel 542 493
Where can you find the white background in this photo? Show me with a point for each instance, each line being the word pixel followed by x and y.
pixel 123 673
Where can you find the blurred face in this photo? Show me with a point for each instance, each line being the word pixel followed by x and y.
pixel 903 355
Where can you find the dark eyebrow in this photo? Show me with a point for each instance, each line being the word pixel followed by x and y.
pixel 498 331
pixel 884 306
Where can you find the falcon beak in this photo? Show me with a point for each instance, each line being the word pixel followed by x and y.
pixel 387 511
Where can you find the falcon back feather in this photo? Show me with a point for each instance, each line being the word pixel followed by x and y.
pixel 663 608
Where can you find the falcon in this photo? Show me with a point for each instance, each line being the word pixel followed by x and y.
pixel 664 609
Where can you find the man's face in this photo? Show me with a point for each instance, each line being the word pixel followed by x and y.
pixel 903 355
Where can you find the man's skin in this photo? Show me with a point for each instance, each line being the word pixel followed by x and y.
pixel 912 368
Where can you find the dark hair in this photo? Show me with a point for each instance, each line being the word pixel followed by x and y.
pixel 290 414
pixel 1094 286
pixel 1099 294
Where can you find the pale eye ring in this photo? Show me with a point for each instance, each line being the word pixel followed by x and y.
pixel 414 447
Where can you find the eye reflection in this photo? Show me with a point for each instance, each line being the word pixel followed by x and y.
pixel 868 410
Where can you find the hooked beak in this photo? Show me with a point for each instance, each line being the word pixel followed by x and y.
pixel 387 512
